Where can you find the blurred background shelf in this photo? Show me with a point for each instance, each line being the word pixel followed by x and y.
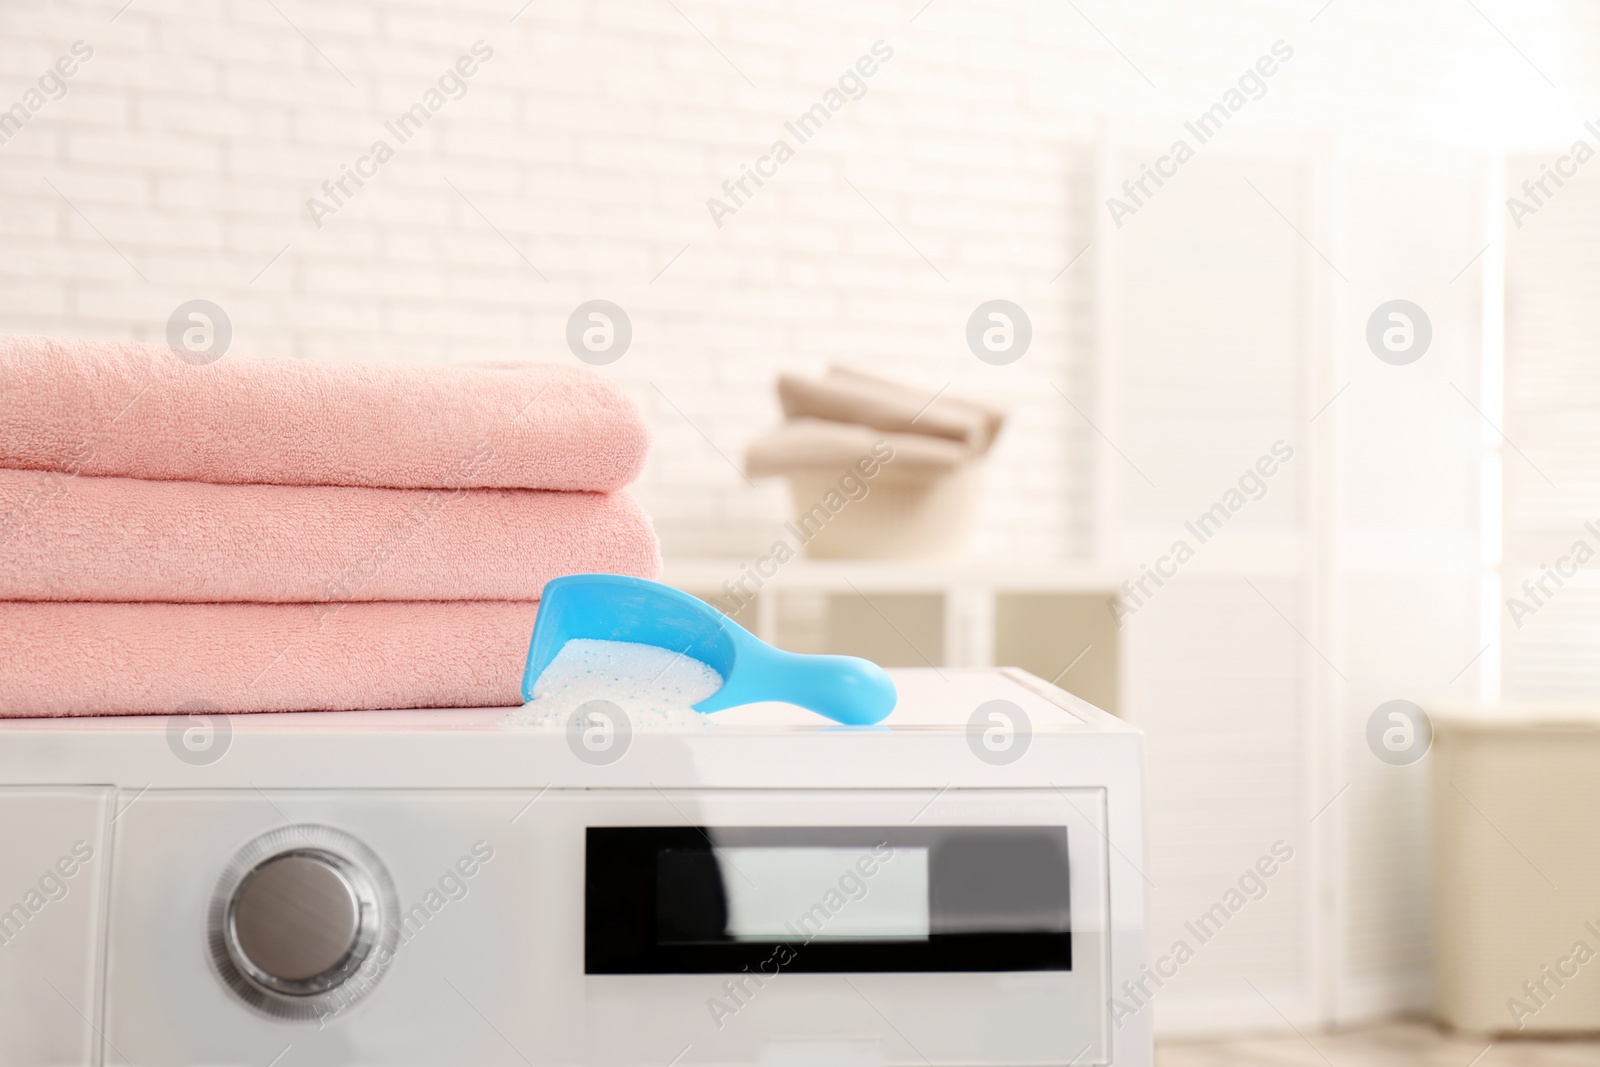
pixel 1052 620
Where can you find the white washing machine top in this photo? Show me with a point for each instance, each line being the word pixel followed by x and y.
pixel 923 742
pixel 961 884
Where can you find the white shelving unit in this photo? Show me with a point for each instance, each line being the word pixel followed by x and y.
pixel 988 613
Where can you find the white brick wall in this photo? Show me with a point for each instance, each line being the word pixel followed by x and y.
pixel 194 136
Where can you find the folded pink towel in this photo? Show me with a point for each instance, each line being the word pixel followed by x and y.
pixel 134 410
pixel 125 539
pixel 151 659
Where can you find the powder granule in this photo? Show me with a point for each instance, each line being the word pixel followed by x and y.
pixel 657 687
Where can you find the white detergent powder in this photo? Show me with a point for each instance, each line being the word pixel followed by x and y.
pixel 657 687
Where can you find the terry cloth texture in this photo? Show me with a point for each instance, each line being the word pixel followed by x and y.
pixel 122 409
pixel 125 539
pixel 270 535
pixel 157 659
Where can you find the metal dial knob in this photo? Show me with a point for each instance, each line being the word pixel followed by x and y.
pixel 299 923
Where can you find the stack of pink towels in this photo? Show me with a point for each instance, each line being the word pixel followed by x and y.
pixel 274 535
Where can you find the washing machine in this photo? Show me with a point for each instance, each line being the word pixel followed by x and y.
pixel 959 885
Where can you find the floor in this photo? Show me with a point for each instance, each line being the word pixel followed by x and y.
pixel 1392 1045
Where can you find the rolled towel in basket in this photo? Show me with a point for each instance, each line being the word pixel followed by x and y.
pixel 127 539
pixel 121 409
pixel 152 659
pixel 846 395
pixel 837 447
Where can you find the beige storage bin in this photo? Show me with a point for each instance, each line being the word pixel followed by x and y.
pixel 901 517
pixel 1516 878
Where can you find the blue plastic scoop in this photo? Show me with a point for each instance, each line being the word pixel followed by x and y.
pixel 609 607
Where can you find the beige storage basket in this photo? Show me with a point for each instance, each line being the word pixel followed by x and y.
pixel 1516 814
pixel 926 517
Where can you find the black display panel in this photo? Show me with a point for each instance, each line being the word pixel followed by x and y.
pixel 712 900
